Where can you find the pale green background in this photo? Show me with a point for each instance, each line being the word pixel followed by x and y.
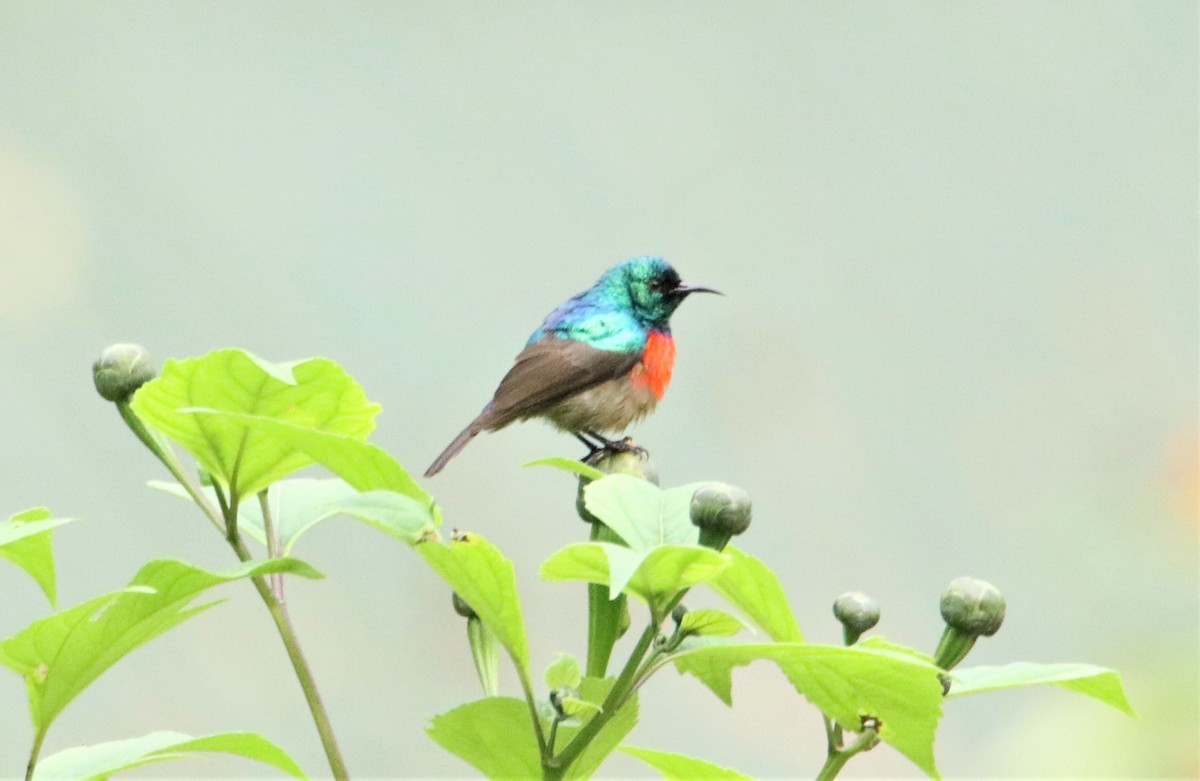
pixel 959 246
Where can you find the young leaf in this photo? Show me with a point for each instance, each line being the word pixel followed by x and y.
pixel 299 504
pixel 365 466
pixel 677 767
pixel 25 540
pixel 58 656
pixel 669 569
pixel 574 466
pixel 576 707
pixel 903 693
pixel 104 759
pixel 315 394
pixel 477 571
pixel 586 561
pixel 710 622
pixel 751 587
pixel 1103 684
pixel 594 690
pixel 563 673
pixel 658 572
pixel 494 735
pixel 643 514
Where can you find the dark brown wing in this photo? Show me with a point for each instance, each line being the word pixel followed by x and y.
pixel 545 372
pixel 548 371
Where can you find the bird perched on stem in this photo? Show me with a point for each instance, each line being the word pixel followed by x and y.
pixel 597 363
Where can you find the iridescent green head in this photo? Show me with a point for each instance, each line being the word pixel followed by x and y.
pixel 651 286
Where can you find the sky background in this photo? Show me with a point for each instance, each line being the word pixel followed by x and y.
pixel 958 243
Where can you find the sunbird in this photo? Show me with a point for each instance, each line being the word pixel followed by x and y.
pixel 597 363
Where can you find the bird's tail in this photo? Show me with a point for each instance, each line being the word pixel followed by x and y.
pixel 453 448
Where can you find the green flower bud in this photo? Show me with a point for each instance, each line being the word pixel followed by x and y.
pixel 485 655
pixel 678 612
pixel 634 462
pixel 629 462
pixel 971 608
pixel 857 612
pixel 721 512
pixel 461 607
pixel 120 370
pixel 624 621
pixel 483 646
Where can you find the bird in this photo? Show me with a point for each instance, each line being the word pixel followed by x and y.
pixel 597 363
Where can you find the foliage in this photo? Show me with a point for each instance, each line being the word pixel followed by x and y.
pixel 250 424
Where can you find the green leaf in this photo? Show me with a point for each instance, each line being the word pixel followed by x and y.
pixel 572 465
pixel 643 514
pixel 656 574
pixel 882 645
pixel 751 587
pixel 1098 682
pixel 299 504
pixel 101 760
pixel 311 395
pixel 576 707
pixel 669 569
pixel 393 514
pixel 58 656
pixel 365 466
pixel 845 683
pixel 677 767
pixel 586 561
pixel 563 673
pixel 710 622
pixel 594 690
pixel 25 540
pixel 477 571
pixel 494 735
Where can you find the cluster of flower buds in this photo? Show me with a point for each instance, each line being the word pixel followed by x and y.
pixel 971 609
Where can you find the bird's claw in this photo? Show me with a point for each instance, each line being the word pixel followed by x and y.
pixel 612 447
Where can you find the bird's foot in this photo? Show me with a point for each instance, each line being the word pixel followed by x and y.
pixel 609 447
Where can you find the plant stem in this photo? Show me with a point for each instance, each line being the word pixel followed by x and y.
pixel 604 614
pixel 287 633
pixel 833 734
pixel 225 521
pixel 163 452
pixel 527 688
pixel 624 684
pixel 231 513
pixel 837 759
pixel 553 735
pixel 34 751
pixel 272 535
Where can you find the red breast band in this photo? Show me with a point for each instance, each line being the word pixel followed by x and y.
pixel 658 359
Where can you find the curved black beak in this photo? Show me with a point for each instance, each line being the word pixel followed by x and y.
pixel 684 290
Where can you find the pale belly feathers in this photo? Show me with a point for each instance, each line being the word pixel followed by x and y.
pixel 610 406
